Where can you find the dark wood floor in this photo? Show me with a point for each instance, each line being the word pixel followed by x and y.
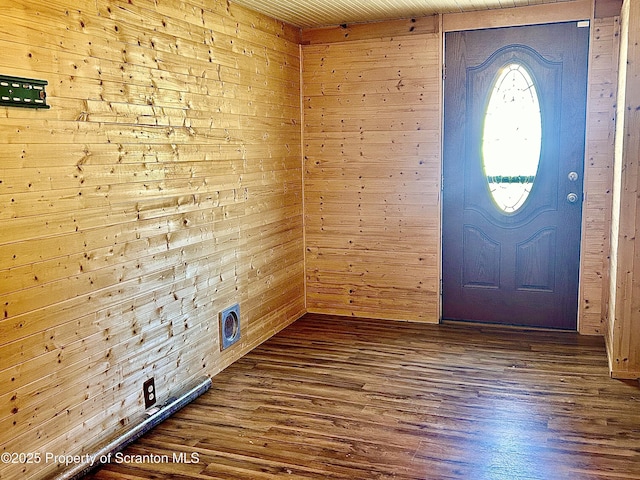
pixel 340 398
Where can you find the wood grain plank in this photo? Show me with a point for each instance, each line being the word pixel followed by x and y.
pixel 598 182
pixel 622 319
pixel 163 185
pixel 342 398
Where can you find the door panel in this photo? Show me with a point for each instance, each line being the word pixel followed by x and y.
pixel 517 267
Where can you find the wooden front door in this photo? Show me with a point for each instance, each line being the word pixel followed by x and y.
pixel 514 132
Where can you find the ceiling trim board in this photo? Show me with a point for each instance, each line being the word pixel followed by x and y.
pixel 510 17
pixel 367 31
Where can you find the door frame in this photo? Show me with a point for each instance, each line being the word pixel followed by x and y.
pixel 579 10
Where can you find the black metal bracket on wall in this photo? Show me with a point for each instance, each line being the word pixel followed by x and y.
pixel 22 92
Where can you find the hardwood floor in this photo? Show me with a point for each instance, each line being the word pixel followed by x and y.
pixel 341 398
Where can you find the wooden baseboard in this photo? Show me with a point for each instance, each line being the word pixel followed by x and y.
pixel 625 375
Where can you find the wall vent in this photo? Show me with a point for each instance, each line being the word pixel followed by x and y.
pixel 229 326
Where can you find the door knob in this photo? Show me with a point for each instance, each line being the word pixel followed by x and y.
pixel 572 197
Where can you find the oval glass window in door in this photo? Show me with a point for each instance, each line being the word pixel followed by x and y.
pixel 512 137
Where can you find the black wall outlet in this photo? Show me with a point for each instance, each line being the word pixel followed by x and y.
pixel 149 393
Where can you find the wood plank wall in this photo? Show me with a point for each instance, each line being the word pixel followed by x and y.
pixel 371 107
pixel 163 185
pixel 598 174
pixel 623 321
pixel 372 165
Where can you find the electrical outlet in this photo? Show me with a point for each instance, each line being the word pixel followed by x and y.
pixel 149 393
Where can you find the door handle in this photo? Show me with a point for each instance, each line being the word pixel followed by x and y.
pixel 572 197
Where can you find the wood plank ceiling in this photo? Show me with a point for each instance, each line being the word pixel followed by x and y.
pixel 318 13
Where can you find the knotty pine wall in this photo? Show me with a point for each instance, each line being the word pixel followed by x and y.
pixel 598 174
pixel 371 106
pixel 163 185
pixel 623 319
